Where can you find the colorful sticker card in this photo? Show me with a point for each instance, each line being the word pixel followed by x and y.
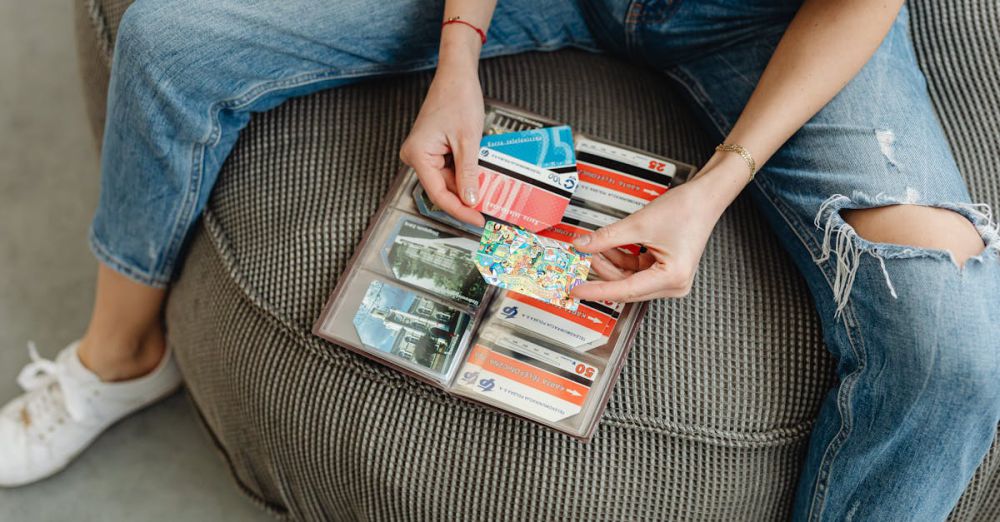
pixel 527 178
pixel 515 259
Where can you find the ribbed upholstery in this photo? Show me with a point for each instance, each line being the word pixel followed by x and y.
pixel 711 415
pixel 957 45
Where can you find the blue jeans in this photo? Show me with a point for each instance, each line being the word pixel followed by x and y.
pixel 918 397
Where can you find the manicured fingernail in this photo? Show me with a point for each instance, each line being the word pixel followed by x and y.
pixel 471 197
pixel 582 241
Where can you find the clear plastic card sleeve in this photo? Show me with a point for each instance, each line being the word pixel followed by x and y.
pixel 412 299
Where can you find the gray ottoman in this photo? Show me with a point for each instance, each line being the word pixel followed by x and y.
pixel 713 410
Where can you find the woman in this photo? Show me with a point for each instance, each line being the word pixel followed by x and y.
pixel 825 98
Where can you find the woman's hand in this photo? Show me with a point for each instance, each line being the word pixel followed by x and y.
pixel 443 146
pixel 794 86
pixel 674 229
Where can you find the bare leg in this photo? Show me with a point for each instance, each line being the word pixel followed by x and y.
pixel 914 225
pixel 125 338
pixel 64 407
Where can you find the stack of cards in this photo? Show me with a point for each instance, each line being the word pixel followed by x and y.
pixel 528 376
pixel 620 179
pixel 486 313
pixel 527 178
pixel 588 326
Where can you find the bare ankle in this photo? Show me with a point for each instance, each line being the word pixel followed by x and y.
pixel 122 359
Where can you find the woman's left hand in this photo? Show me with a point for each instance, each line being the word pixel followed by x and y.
pixel 674 229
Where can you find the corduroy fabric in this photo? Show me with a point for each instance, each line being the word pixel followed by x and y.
pixel 711 416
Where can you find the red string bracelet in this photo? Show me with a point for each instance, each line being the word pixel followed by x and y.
pixel 458 20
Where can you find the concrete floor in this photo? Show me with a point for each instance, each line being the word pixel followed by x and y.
pixel 157 465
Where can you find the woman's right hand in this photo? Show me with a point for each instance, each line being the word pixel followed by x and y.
pixel 443 145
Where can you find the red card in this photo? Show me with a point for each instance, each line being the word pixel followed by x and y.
pixel 521 193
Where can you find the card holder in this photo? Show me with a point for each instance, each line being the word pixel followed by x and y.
pixel 436 336
pixel 408 300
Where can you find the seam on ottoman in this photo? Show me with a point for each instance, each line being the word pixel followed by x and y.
pixel 729 439
pixel 278 511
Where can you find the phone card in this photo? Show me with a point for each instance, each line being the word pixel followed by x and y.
pixel 515 259
pixel 587 327
pixel 403 325
pixel 528 377
pixel 529 178
pixel 619 178
pixel 435 260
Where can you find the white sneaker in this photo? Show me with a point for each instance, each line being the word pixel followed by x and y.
pixel 65 408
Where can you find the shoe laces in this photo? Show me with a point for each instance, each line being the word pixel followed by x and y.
pixel 46 402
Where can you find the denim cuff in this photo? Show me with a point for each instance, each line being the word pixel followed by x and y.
pixel 103 255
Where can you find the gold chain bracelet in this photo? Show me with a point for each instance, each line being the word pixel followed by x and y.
pixel 743 152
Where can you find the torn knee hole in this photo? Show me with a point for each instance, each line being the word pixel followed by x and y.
pixel 918 226
pixel 883 228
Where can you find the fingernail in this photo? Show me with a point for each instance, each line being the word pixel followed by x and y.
pixel 582 241
pixel 471 197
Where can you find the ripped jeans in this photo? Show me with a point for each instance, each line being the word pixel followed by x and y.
pixel 916 337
